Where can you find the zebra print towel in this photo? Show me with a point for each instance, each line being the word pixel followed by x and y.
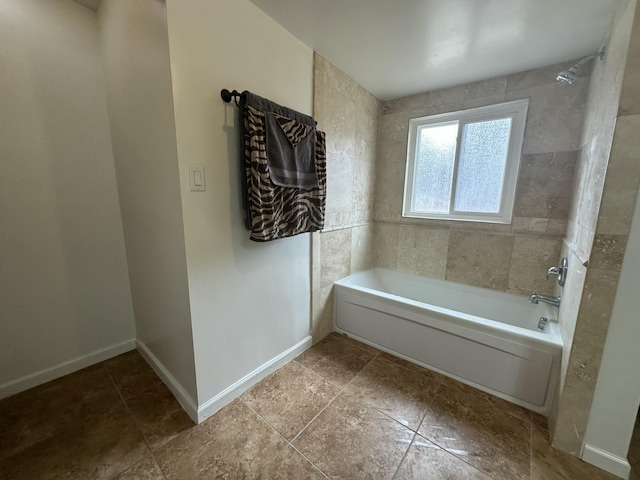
pixel 275 211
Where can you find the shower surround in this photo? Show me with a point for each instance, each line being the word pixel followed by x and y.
pixel 511 258
pixel 366 157
pixel 607 183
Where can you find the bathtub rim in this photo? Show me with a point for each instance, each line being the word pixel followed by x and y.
pixel 551 335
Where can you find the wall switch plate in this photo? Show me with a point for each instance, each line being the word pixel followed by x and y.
pixel 196 179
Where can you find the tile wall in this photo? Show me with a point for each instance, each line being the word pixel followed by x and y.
pixel 512 258
pixel 364 226
pixel 349 115
pixel 608 176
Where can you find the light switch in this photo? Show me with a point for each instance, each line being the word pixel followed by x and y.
pixel 196 179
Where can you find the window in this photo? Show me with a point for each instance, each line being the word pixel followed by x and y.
pixel 464 165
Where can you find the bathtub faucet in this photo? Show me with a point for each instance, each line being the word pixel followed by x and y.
pixel 535 298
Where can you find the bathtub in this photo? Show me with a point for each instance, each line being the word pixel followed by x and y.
pixel 487 339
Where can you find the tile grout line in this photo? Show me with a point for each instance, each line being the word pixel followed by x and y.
pixel 263 419
pixel 270 426
pixel 405 455
pixel 334 398
pixel 133 420
pixel 289 443
pixel 325 407
pixel 324 379
pixel 314 373
pixel 376 355
pixel 151 450
pixel 440 446
pixel 155 461
pixel 417 431
pixel 308 460
pixel 422 417
pixel 437 444
pixel 310 421
pixel 440 382
pixel 135 424
pixel 317 415
pixel 437 381
pixel 446 450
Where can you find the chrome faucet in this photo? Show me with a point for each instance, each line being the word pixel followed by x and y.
pixel 560 271
pixel 535 298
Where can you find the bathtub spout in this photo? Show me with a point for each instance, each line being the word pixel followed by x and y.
pixel 535 298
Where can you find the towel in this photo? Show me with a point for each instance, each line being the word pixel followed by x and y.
pixel 276 211
pixel 290 152
pixel 290 139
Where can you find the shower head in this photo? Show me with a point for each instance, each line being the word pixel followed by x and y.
pixel 569 76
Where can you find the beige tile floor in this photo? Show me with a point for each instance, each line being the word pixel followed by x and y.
pixel 340 410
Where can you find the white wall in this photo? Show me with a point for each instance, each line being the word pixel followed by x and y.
pixel 136 57
pixel 249 302
pixel 64 292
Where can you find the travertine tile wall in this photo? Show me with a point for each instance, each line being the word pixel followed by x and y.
pixel 349 115
pixel 512 258
pixel 608 176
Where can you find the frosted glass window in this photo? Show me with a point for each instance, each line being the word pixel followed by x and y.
pixel 483 159
pixel 435 159
pixel 464 165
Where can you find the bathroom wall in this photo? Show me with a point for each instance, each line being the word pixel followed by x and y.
pixel 512 258
pixel 64 289
pixel 608 179
pixel 617 394
pixel 349 115
pixel 250 302
pixel 135 51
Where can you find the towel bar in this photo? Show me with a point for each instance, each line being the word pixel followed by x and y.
pixel 227 96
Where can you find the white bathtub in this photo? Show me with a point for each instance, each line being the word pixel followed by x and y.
pixel 487 339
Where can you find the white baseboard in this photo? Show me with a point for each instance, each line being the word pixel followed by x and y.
pixel 187 402
pixel 608 462
pixel 234 391
pixel 197 414
pixel 65 368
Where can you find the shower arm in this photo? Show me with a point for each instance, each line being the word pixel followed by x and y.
pixel 579 65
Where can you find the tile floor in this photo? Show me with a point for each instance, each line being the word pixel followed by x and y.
pixel 340 410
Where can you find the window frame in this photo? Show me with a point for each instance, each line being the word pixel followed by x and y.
pixel 517 111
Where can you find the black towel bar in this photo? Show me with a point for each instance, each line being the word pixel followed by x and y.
pixel 227 96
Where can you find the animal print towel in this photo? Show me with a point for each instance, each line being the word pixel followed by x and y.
pixel 276 211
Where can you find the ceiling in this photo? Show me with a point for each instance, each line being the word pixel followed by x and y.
pixel 395 48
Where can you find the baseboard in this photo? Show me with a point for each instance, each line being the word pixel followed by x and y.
pixel 187 402
pixel 65 368
pixel 197 414
pixel 234 391
pixel 608 462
